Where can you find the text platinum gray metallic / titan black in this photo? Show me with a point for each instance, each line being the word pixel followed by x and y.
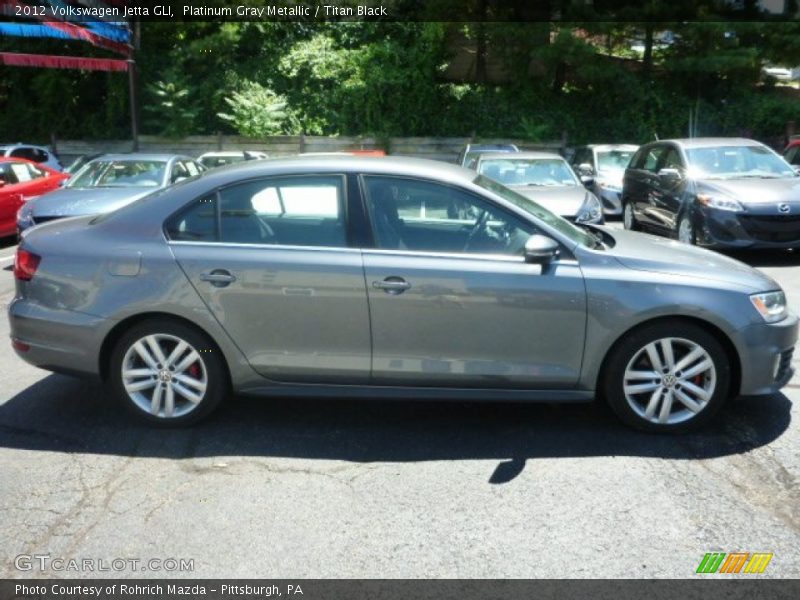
pixel 382 277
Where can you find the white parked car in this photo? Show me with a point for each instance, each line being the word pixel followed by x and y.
pixel 37 154
pixel 211 160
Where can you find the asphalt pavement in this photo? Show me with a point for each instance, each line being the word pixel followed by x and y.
pixel 369 489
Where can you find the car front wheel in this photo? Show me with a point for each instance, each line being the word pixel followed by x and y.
pixel 667 377
pixel 628 218
pixel 166 373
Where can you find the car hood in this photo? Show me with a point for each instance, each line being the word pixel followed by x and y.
pixel 644 252
pixel 70 202
pixel 561 200
pixel 755 191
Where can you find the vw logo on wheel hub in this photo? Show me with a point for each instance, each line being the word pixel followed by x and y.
pixel 783 208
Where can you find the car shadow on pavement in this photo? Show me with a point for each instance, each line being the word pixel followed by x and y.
pixel 766 258
pixel 62 414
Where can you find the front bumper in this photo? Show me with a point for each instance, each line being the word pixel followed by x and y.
pixel 611 200
pixel 765 352
pixel 756 228
pixel 57 340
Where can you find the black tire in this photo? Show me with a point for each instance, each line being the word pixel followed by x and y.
pixel 684 335
pixel 685 222
pixel 210 368
pixel 629 220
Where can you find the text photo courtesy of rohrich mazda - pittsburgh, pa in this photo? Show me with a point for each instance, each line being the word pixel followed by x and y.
pixel 399 299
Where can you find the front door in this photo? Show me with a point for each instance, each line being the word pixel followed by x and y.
pixel 453 303
pixel 271 261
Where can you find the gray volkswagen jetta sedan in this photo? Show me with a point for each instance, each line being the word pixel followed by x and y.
pixel 382 277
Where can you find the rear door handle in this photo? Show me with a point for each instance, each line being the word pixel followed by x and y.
pixel 218 277
pixel 392 285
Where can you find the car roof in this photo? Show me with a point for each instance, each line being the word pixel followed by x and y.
pixel 709 142
pixel 479 147
pixel 223 153
pixel 523 154
pixel 375 165
pixel 6 159
pixel 612 146
pixel 143 156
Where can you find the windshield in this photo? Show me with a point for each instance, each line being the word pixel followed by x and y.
pixel 614 160
pixel 547 172
pixel 212 162
pixel 120 173
pixel 735 162
pixel 575 234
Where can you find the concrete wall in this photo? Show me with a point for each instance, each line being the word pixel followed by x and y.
pixel 445 149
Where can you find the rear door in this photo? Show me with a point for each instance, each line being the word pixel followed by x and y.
pixel 668 192
pixel 271 259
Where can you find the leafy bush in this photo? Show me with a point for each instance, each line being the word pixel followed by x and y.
pixel 257 111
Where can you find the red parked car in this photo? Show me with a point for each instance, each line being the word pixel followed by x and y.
pixel 20 180
pixel 792 153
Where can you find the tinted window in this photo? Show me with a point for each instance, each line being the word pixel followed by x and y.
pixel 424 216
pixel 291 211
pixel 198 223
pixel 27 153
pixel 671 160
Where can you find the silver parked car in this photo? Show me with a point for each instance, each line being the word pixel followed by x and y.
pixel 603 165
pixel 547 179
pixel 107 183
pixel 385 277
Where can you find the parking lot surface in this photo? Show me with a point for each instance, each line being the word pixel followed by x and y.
pixel 326 488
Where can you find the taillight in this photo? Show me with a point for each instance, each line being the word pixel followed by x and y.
pixel 25 264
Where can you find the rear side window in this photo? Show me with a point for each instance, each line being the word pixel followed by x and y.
pixel 287 211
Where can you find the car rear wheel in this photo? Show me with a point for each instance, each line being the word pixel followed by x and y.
pixel 667 377
pixel 686 232
pixel 168 374
pixel 628 218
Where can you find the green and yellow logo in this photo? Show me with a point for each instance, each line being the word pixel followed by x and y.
pixel 735 562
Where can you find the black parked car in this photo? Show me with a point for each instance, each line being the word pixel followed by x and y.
pixel 716 192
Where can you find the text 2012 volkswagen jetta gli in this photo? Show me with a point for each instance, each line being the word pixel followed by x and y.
pixel 384 277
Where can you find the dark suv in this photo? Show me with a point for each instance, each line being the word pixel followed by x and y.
pixel 717 192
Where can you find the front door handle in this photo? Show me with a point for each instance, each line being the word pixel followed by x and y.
pixel 218 277
pixel 392 285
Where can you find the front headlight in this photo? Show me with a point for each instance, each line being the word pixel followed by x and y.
pixel 591 211
pixel 720 202
pixel 25 216
pixel 770 305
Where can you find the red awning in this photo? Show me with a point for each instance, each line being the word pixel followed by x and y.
pixel 14 59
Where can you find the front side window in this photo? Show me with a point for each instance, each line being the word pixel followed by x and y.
pixel 671 160
pixel 410 214
pixel 287 211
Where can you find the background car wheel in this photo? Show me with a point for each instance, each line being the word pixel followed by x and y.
pixel 628 219
pixel 686 233
pixel 667 377
pixel 166 373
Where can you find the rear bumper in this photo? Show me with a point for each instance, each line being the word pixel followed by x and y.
pixel 57 340
pixel 765 352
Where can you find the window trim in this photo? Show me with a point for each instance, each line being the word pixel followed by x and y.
pixel 344 202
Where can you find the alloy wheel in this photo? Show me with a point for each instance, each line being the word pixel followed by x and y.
pixel 669 381
pixel 164 375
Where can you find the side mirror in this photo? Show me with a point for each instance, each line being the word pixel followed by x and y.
pixel 2 183
pixel 540 249
pixel 797 169
pixel 670 175
pixel 587 180
pixel 585 170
